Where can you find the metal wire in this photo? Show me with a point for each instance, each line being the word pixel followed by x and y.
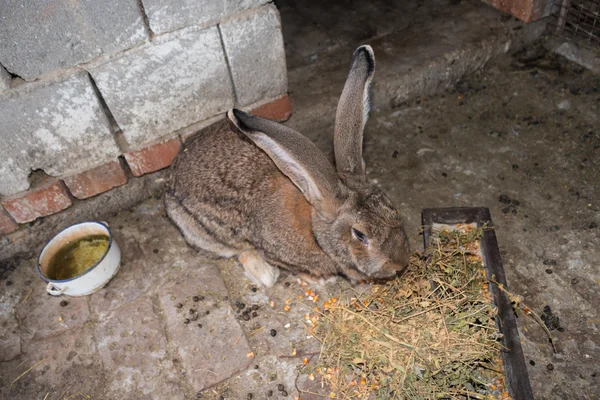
pixel 578 20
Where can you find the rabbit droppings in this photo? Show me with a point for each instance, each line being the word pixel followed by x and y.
pixel 264 193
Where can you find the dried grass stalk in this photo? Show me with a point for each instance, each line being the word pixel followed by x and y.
pixel 430 334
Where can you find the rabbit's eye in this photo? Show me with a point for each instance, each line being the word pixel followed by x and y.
pixel 358 235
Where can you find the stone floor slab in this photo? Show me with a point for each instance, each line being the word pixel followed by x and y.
pixel 60 366
pixel 264 378
pixel 133 346
pixel 282 311
pixel 210 343
pixel 10 338
pixel 43 315
pixel 147 258
pixel 17 279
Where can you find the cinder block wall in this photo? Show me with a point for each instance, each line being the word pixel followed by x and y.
pixel 91 90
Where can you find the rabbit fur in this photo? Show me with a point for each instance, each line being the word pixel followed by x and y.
pixel 264 193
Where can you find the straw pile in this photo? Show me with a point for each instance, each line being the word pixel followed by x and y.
pixel 430 334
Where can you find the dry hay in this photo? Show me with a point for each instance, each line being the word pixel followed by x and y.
pixel 430 334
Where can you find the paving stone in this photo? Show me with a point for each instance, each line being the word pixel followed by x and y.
pixel 276 359
pixel 15 285
pixel 43 316
pixel 215 351
pixel 147 258
pixel 312 389
pixel 175 81
pixel 96 180
pixel 169 15
pixel 275 316
pixel 154 157
pixel 47 199
pixel 125 287
pixel 254 46
pixel 271 372
pixel 10 338
pixel 39 37
pixel 61 129
pixel 5 79
pixel 64 365
pixel 279 109
pixel 7 225
pixel 133 347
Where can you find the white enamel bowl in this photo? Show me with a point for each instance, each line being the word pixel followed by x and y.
pixel 92 279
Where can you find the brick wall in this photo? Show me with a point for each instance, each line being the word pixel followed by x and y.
pixel 94 93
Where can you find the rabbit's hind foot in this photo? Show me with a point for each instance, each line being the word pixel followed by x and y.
pixel 257 269
pixel 317 281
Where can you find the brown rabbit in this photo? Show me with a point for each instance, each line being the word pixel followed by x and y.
pixel 269 197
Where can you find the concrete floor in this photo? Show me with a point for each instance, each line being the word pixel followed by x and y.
pixel 520 137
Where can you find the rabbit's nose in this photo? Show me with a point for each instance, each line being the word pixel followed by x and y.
pixel 390 270
pixel 398 268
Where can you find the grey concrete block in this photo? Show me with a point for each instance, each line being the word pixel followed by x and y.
pixel 169 15
pixel 5 79
pixel 38 36
pixel 166 85
pixel 254 46
pixel 56 126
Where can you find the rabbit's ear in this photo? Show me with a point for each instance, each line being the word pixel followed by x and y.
pixel 351 117
pixel 297 157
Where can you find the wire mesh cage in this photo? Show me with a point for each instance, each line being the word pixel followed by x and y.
pixel 578 20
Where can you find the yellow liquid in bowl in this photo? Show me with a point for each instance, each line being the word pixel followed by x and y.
pixel 76 257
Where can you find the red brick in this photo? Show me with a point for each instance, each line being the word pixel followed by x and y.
pixel 526 10
pixel 97 180
pixel 153 158
pixel 279 109
pixel 47 199
pixel 6 224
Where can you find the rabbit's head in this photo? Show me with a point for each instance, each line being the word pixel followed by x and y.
pixel 353 221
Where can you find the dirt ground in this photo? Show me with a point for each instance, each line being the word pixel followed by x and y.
pixel 519 137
